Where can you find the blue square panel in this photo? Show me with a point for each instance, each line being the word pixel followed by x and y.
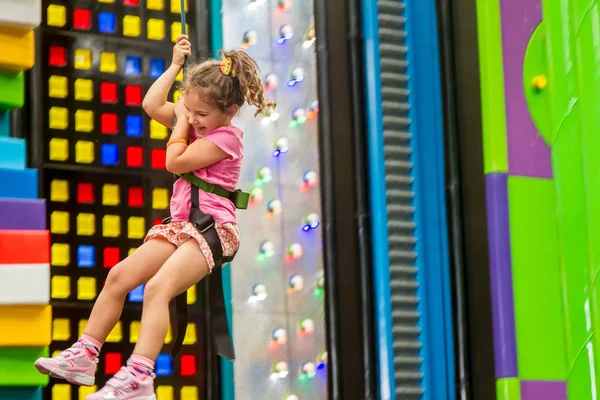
pixel 110 154
pixel 164 365
pixel 133 125
pixel 86 256
pixel 133 65
pixel 137 294
pixel 107 22
pixel 157 67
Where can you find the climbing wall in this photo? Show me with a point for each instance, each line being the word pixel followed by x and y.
pixel 277 277
pixel 25 313
pixel 540 118
pixel 104 176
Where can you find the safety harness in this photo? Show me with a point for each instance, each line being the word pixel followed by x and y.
pixel 216 299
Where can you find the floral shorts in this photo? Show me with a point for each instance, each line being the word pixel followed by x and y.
pixel 181 231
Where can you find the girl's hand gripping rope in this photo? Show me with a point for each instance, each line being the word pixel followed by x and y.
pixel 181 50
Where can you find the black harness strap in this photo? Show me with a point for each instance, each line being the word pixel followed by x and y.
pixel 216 299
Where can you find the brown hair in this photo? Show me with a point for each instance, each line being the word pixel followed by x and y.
pixel 227 90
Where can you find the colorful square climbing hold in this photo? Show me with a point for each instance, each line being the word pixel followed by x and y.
pixel 157 130
pixel 85 193
pixel 81 326
pixel 56 15
pixel 112 363
pixel 106 1
pixel 116 335
pixel 158 158
pixel 58 87
pixel 112 256
pixel 137 294
pixel 61 329
pixel 189 393
pixel 84 120
pixel 85 391
pixel 60 254
pixel 58 149
pixel 108 92
pixel 107 22
pixel 86 256
pixel 111 226
pixel 61 391
pixel 156 29
pixel 165 393
pixel 135 197
pixel 133 65
pixel 133 125
pixel 82 19
pixel 157 67
pixel 83 59
pixel 190 334
pixel 164 365
pixel 59 118
pixel 86 224
pixel 191 295
pixel 133 95
pixel 131 26
pixel 57 56
pixel 176 6
pixel 134 331
pixel 84 152
pixel 110 195
pixel 157 5
pixel 59 222
pixel 176 30
pixel 110 154
pixel 86 288
pixel 160 199
pixel 136 227
pixel 59 190
pixel 84 89
pixel 135 156
pixel 109 123
pixel 188 365
pixel 108 62
pixel 60 287
pixel 131 3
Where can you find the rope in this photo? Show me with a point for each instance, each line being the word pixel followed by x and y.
pixel 183 32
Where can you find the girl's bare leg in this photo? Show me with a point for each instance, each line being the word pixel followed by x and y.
pixel 130 273
pixel 184 268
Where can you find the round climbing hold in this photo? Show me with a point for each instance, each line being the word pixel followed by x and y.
pixel 540 82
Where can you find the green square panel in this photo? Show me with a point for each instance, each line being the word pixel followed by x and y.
pixel 12 90
pixel 16 366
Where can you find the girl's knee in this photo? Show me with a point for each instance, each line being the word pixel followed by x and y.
pixel 155 290
pixel 117 280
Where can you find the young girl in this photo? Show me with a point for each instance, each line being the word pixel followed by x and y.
pixel 174 256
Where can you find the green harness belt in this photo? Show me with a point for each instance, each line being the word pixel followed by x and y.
pixel 218 326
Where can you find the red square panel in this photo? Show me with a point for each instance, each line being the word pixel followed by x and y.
pixel 108 92
pixel 112 363
pixel 135 156
pixel 82 19
pixel 131 3
pixel 157 222
pixel 133 95
pixel 136 196
pixel 159 157
pixel 112 256
pixel 188 365
pixel 57 56
pixel 85 193
pixel 109 123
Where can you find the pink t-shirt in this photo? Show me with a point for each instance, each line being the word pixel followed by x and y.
pixel 225 173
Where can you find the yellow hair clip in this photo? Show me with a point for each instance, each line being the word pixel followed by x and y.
pixel 226 67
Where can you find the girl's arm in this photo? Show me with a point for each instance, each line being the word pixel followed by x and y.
pixel 155 102
pixel 182 158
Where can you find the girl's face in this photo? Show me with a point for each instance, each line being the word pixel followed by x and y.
pixel 202 116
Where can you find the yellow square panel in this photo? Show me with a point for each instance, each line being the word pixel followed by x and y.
pixel 160 199
pixel 61 391
pixel 61 287
pixel 25 326
pixel 157 130
pixel 82 325
pixel 84 391
pixel 61 329
pixel 156 29
pixel 56 15
pixel 155 4
pixel 176 6
pixel 84 152
pixel 83 59
pixel 130 251
pixel 55 353
pixel 136 227
pixel 134 331
pixel 84 120
pixel 176 30
pixel 191 295
pixel 189 393
pixel 176 95
pixel 190 334
pixel 108 62
pixel 111 226
pixel 59 222
pixel 84 89
pixel 179 77
pixel 116 335
pixel 110 195
pixel 58 149
pixel 60 254
pixel 86 288
pixel 169 335
pixel 86 224
pixel 58 86
pixel 59 190
pixel 59 118
pixel 106 1
pixel 131 26
pixel 164 393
